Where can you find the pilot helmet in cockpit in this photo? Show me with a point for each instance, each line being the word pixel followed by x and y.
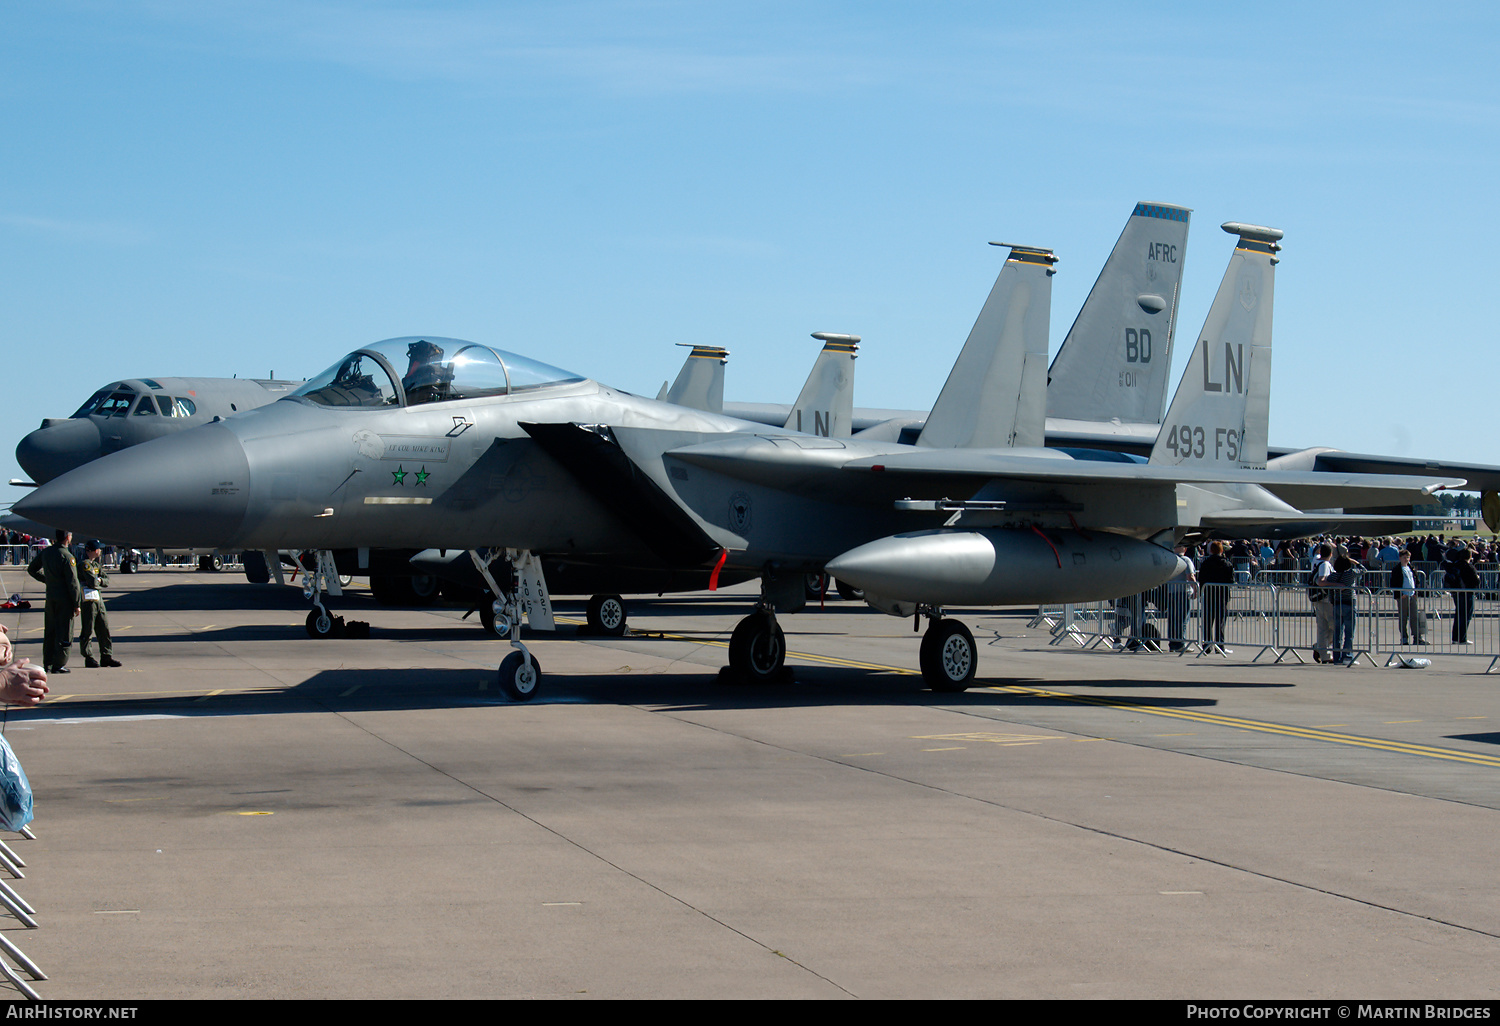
pixel 427 377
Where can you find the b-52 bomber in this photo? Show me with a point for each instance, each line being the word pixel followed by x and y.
pixel 478 449
pixel 136 410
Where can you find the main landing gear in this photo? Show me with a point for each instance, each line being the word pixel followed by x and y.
pixel 757 648
pixel 948 656
pixel 606 615
pixel 523 592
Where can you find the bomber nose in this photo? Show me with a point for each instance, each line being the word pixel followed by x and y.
pixel 187 490
pixel 57 447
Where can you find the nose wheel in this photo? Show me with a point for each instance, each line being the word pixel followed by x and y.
pixel 519 676
pixel 524 591
pixel 948 657
pixel 323 624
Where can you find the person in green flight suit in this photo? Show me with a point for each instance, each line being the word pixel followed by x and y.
pixel 95 618
pixel 55 567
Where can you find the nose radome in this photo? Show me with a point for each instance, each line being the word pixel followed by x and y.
pixel 188 490
pixel 57 447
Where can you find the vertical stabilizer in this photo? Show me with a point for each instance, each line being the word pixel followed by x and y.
pixel 826 404
pixel 996 394
pixel 1220 414
pixel 700 383
pixel 1117 357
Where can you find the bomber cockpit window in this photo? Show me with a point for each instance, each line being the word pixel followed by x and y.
pixel 181 407
pixel 116 405
pixel 93 404
pixel 147 407
pixel 358 379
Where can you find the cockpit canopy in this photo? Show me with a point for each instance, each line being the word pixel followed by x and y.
pixel 122 399
pixel 414 370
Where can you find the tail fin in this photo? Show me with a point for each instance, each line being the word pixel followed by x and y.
pixel 996 394
pixel 1117 358
pixel 1221 411
pixel 826 404
pixel 700 383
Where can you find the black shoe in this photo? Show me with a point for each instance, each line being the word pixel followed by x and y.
pixel 91 662
pixel 60 669
pixel 112 661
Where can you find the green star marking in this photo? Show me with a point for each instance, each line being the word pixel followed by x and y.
pixel 423 475
pixel 398 475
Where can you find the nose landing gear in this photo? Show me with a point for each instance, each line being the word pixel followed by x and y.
pixel 524 592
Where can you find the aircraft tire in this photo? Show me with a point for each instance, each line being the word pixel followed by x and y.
pixel 849 593
pixel 516 681
pixel 607 615
pixel 817 586
pixel 757 649
pixel 425 588
pixel 323 624
pixel 210 564
pixel 948 656
pixel 256 570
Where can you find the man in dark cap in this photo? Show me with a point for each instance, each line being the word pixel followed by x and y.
pixel 55 567
pixel 95 618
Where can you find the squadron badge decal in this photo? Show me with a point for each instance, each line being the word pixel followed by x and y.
pixel 739 513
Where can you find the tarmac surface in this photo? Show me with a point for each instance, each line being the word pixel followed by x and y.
pixel 241 811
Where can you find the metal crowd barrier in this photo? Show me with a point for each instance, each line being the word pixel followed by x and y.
pixel 1280 622
pixel 17 555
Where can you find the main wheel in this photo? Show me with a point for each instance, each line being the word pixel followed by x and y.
pixel 323 624
pixel 517 680
pixel 817 586
pixel 256 569
pixel 948 656
pixel 849 592
pixel 210 564
pixel 757 648
pixel 606 615
pixel 425 587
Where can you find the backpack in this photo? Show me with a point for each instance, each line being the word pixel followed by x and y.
pixel 1315 593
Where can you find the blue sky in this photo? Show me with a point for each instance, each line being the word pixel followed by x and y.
pixel 247 187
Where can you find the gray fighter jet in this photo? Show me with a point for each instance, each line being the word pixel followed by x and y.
pixel 469 447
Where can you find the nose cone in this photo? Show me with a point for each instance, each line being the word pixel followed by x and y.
pixel 57 447
pixel 188 490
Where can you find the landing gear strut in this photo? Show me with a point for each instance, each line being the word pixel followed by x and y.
pixel 757 648
pixel 948 657
pixel 524 592
pixel 322 576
